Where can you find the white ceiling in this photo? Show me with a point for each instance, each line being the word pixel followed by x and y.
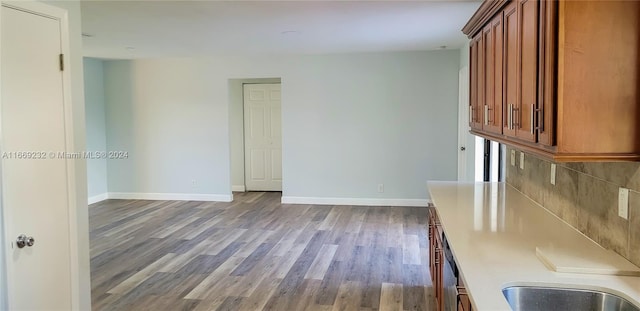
pixel 149 29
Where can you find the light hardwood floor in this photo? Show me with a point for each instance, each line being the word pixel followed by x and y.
pixel 257 254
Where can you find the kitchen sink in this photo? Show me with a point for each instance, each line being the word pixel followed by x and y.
pixel 533 298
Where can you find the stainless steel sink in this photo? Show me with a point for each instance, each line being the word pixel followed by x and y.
pixel 533 298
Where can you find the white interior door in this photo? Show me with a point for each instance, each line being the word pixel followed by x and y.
pixel 35 186
pixel 466 141
pixel 262 137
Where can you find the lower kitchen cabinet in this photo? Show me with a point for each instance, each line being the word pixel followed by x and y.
pixel 464 303
pixel 435 258
pixel 448 286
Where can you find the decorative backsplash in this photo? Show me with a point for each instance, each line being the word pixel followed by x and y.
pixel 585 195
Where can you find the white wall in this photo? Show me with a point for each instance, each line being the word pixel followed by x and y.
pixel 171 117
pixel 464 55
pixel 236 128
pixel 80 258
pixel 95 125
pixel 350 122
pixel 354 122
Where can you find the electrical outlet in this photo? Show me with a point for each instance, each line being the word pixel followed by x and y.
pixel 513 158
pixel 521 160
pixel 194 184
pixel 381 188
pixel 623 203
pixel 553 174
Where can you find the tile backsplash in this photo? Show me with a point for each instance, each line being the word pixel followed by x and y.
pixel 585 195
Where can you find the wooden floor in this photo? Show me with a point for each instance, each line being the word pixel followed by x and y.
pixel 257 254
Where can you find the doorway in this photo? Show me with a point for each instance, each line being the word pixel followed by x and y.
pixel 479 159
pixel 237 128
pixel 466 142
pixel 490 160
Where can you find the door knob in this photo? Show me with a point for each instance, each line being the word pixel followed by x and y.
pixel 23 241
pixel 463 148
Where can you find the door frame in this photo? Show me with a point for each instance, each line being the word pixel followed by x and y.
pixel 244 142
pixel 236 128
pixel 6 275
pixel 465 148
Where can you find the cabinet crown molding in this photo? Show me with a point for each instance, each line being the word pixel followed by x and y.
pixel 486 11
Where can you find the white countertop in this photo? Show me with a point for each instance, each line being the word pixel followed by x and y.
pixel 493 231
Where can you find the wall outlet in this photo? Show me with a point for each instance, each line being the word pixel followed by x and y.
pixel 521 160
pixel 194 184
pixel 623 203
pixel 553 174
pixel 513 158
pixel 381 188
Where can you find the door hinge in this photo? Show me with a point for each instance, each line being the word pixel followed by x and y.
pixel 61 62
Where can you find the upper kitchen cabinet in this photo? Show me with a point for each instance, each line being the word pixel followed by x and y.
pixel 559 79
pixel 492 104
pixel 476 99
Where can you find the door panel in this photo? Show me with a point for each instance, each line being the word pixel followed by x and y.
pixel 479 110
pixel 488 39
pixel 546 78
pixel 510 81
pixel 257 122
pixel 258 167
pixel 274 94
pixel 473 81
pixel 263 142
pixel 35 191
pixel 492 110
pixel 276 164
pixel 276 122
pixel 528 41
pixel 476 103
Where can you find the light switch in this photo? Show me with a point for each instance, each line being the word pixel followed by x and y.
pixel 623 203
pixel 513 158
pixel 521 160
pixel 553 174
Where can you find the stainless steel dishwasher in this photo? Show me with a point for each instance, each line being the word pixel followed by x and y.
pixel 450 278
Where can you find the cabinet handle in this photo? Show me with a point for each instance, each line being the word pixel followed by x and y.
pixel 540 120
pixel 510 117
pixel 533 109
pixel 486 114
pixel 513 117
pixel 471 114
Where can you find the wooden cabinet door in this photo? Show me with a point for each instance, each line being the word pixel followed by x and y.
pixel 510 77
pixel 528 87
pixel 432 245
pixel 476 101
pixel 473 80
pixel 439 284
pixel 520 69
pixel 492 109
pixel 547 72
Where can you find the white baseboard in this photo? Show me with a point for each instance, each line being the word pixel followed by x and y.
pixel 237 188
pixel 171 196
pixel 355 201
pixel 98 198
